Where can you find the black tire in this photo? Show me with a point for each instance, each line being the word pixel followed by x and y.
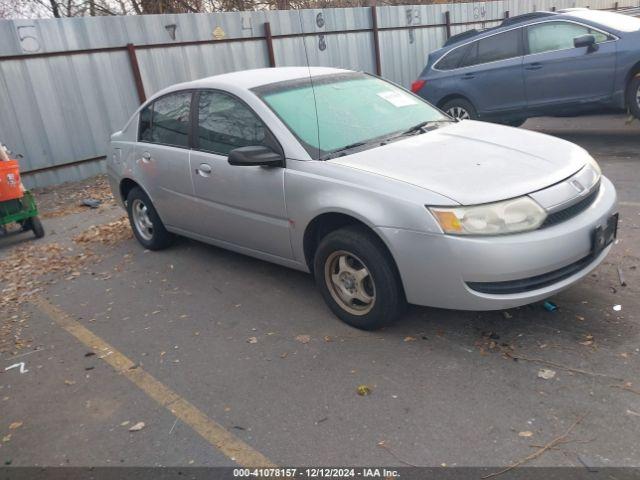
pixel 36 226
pixel 363 249
pixel 633 96
pixel 154 237
pixel 455 108
pixel 518 122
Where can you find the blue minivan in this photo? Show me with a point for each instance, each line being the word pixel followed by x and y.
pixel 561 63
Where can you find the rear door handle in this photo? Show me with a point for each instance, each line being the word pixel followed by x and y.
pixel 146 157
pixel 204 170
pixel 468 76
pixel 533 66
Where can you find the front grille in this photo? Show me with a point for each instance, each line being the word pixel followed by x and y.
pixel 570 212
pixel 531 283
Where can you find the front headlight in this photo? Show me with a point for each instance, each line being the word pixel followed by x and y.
pixel 594 166
pixel 511 216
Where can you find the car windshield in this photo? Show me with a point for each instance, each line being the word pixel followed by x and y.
pixel 354 110
pixel 617 21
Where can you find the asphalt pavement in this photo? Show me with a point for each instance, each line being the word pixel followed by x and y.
pixel 228 360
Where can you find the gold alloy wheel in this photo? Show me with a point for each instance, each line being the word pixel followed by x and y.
pixel 350 282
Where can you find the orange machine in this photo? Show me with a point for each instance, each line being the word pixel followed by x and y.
pixel 10 185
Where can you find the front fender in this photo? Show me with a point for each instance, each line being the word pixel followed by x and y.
pixel 315 188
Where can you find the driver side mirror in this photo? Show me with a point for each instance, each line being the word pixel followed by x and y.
pixel 588 41
pixel 255 156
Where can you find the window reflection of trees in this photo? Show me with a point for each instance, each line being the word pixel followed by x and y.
pixel 225 123
pixel 171 119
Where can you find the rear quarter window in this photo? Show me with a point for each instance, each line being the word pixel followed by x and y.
pixel 452 59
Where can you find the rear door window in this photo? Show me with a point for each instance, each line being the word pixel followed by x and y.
pixel 552 36
pixel 166 121
pixel 498 47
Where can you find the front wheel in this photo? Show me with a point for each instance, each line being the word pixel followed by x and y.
pixel 460 109
pixel 518 122
pixel 145 221
pixel 633 96
pixel 358 279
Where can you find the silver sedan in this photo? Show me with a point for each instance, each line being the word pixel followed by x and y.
pixel 382 197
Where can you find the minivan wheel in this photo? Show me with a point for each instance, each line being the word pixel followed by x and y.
pixel 633 96
pixel 145 222
pixel 460 109
pixel 358 279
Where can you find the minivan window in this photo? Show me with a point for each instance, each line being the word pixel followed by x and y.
pixel 494 48
pixel 166 121
pixel 452 59
pixel 552 36
pixel 225 123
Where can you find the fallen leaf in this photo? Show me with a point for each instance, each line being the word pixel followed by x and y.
pixel 328 338
pixel 137 427
pixel 284 355
pixel 69 382
pixel 252 340
pixel 364 390
pixel 303 339
pixel 125 423
pixel 546 373
pixel 6 438
pixel 525 434
pixel 15 425
pixel 409 339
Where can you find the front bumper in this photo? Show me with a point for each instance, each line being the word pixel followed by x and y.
pixel 436 269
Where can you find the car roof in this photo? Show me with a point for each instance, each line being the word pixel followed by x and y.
pixel 248 79
pixel 582 14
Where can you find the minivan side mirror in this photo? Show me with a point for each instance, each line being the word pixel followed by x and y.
pixel 588 41
pixel 258 155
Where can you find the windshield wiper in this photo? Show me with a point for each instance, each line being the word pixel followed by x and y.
pixel 419 128
pixel 340 151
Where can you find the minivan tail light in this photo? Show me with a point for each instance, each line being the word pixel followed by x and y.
pixel 417 85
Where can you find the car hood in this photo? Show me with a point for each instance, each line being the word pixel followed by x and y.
pixel 474 162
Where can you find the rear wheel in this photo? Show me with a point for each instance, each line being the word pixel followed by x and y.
pixel 358 279
pixel 460 109
pixel 145 221
pixel 35 225
pixel 633 96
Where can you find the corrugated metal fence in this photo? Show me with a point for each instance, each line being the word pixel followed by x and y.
pixel 67 84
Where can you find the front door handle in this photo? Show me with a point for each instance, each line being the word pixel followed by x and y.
pixel 533 66
pixel 468 76
pixel 204 170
